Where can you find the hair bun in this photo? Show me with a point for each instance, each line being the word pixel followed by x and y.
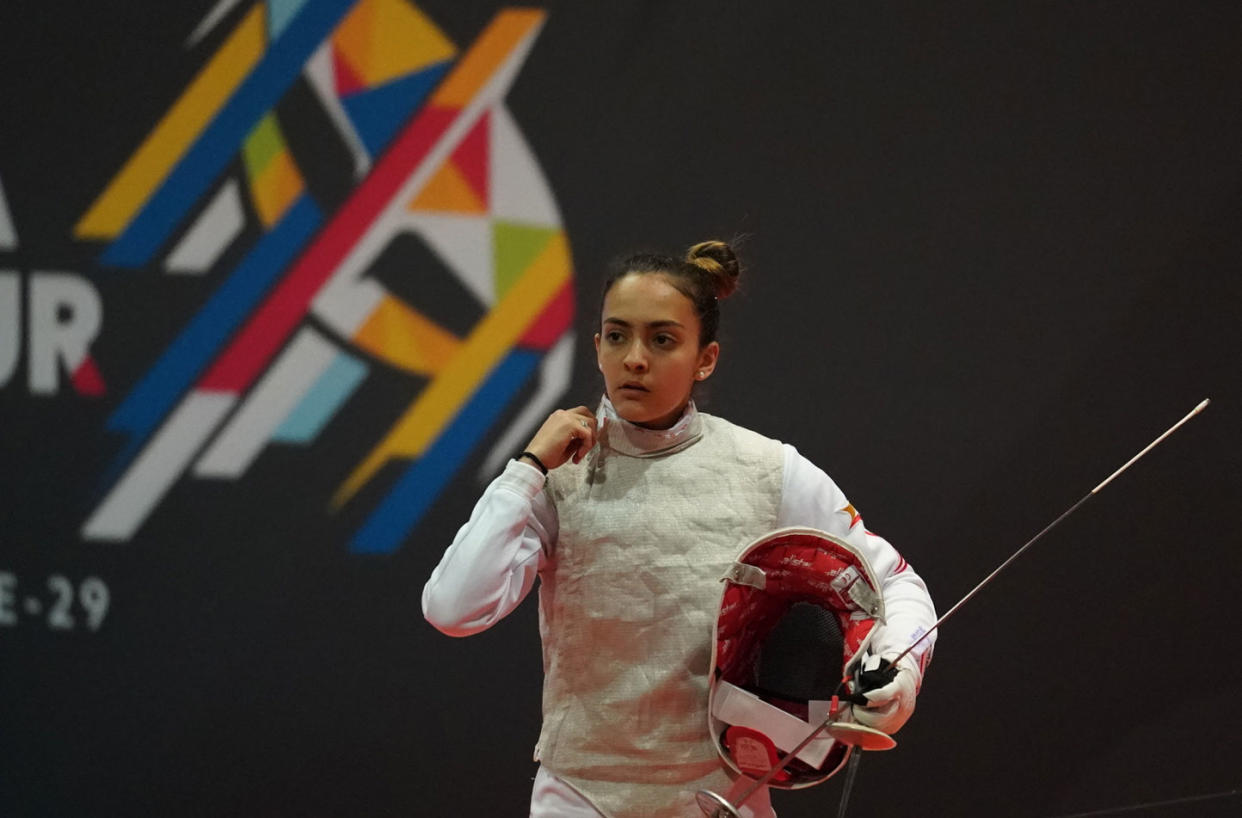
pixel 717 259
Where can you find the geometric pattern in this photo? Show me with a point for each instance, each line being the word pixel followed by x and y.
pixel 436 156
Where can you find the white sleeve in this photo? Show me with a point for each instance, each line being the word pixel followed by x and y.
pixel 494 559
pixel 810 498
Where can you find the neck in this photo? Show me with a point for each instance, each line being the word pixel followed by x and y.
pixel 665 423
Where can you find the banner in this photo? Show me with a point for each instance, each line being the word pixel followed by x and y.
pixel 285 283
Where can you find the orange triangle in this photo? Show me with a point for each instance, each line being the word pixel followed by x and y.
pixel 404 40
pixel 448 191
pixel 387 39
pixel 352 41
pixel 347 81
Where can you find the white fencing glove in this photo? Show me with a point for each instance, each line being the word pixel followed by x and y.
pixel 890 703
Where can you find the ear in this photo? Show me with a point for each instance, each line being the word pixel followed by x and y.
pixel 598 362
pixel 708 357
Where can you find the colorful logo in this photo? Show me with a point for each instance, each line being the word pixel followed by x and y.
pixel 442 200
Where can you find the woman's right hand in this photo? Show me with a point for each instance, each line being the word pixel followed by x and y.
pixel 566 434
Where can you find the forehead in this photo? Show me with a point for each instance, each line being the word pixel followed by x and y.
pixel 646 298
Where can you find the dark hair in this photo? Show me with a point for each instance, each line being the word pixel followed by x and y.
pixel 708 272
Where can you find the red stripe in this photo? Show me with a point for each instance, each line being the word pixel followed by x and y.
pixel 472 158
pixel 556 317
pixel 268 328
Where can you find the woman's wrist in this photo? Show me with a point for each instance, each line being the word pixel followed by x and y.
pixel 533 459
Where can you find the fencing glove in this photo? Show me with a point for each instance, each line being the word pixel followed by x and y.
pixel 889 691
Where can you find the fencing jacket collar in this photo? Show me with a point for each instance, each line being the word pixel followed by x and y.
pixel 627 438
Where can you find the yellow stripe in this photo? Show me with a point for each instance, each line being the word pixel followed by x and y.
pixel 483 349
pixel 130 189
pixel 486 55
pixel 399 334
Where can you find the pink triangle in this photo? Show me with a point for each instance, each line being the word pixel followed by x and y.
pixel 473 157
pixel 347 82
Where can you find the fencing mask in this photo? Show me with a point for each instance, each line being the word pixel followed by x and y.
pixel 798 607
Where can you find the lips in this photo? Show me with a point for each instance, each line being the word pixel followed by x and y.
pixel 632 387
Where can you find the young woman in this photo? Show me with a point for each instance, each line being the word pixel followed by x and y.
pixel 629 516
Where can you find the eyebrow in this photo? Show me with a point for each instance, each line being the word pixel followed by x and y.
pixel 652 324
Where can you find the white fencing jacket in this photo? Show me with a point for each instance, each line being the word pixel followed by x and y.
pixel 603 528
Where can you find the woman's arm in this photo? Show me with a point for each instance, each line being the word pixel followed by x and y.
pixel 811 498
pixel 494 559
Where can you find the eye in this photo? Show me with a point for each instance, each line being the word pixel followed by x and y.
pixel 613 336
pixel 665 340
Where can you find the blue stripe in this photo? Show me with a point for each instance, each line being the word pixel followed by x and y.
pixel 219 141
pixel 420 485
pixel 322 400
pixel 154 396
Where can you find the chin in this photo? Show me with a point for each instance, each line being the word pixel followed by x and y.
pixel 626 410
pixel 633 409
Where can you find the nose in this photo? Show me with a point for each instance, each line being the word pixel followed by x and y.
pixel 635 357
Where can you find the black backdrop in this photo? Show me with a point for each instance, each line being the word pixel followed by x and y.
pixel 992 250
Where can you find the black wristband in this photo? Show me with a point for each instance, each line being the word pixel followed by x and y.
pixel 534 459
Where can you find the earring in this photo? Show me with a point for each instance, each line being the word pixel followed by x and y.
pixel 701 375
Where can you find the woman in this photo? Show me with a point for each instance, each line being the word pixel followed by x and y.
pixel 629 516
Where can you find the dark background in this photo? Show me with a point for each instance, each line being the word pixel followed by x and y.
pixel 993 250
